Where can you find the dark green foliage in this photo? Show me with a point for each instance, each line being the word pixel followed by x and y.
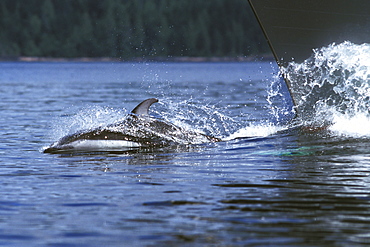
pixel 128 28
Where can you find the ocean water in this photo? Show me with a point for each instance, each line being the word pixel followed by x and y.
pixel 271 181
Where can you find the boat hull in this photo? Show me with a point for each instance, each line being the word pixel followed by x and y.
pixel 294 28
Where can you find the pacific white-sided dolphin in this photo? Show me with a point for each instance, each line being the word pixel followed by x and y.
pixel 138 129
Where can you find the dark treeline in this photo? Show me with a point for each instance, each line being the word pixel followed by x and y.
pixel 128 28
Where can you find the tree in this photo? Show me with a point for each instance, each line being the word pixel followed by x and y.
pixel 129 28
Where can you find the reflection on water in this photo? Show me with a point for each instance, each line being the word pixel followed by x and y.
pixel 266 185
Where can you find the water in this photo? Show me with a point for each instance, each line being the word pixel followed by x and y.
pixel 269 183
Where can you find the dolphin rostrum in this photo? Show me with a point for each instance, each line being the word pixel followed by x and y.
pixel 138 129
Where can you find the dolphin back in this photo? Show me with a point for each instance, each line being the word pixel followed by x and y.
pixel 142 109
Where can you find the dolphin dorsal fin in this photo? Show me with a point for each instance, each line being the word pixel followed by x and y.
pixel 143 108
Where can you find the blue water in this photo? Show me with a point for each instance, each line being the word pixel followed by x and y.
pixel 265 184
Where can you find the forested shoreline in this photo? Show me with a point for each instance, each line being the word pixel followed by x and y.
pixel 126 29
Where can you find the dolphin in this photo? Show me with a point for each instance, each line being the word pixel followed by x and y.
pixel 137 129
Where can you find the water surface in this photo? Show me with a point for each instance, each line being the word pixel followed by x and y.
pixel 266 184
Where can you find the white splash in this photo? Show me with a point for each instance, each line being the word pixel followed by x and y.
pixel 86 118
pixel 333 87
pixel 196 116
pixel 256 130
pixel 356 126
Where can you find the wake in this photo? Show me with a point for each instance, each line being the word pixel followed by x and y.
pixel 332 88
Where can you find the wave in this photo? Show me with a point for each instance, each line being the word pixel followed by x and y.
pixel 332 88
